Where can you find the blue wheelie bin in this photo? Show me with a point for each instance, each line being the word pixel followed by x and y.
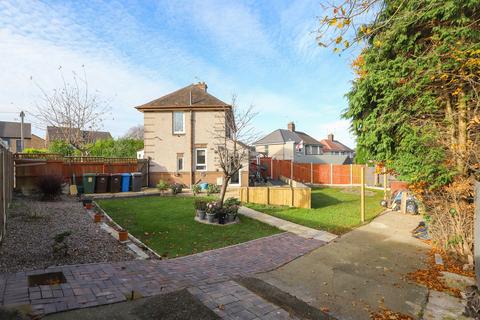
pixel 125 182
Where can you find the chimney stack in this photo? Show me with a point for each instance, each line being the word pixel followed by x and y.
pixel 330 137
pixel 291 126
pixel 202 85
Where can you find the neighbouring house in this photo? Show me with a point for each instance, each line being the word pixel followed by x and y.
pixel 335 147
pixel 58 134
pixel 290 144
pixel 180 136
pixel 10 134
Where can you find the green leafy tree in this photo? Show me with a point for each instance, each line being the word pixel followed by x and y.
pixel 123 147
pixel 414 104
pixel 61 147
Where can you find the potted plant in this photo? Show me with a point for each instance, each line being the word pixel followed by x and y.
pixel 162 186
pixel 122 235
pixel 211 211
pixel 85 201
pixel 200 207
pixel 231 205
pixel 196 189
pixel 176 188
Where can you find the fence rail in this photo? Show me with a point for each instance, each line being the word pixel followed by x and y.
pixel 56 156
pixel 6 186
pixel 315 173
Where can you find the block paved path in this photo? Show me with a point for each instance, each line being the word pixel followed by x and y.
pixel 288 226
pixel 103 283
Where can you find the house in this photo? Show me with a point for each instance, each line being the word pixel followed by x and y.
pixel 290 144
pixel 180 137
pixel 334 147
pixel 58 134
pixel 10 134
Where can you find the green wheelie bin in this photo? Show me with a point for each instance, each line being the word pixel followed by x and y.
pixel 89 182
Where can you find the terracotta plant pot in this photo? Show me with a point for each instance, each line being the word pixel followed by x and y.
pixel 88 206
pixel 122 235
pixel 98 217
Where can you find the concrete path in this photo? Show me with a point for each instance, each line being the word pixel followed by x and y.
pixel 285 225
pixel 360 272
pixel 229 300
pixel 104 283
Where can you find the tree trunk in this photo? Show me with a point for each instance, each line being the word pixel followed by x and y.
pixel 462 133
pixel 226 180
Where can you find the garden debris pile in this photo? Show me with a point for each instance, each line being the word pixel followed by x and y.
pixel 386 314
pixel 431 277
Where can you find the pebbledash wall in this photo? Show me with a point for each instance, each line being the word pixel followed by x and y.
pixel 164 147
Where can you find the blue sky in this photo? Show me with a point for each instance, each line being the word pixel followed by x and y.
pixel 135 51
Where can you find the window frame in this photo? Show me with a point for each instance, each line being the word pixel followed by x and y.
pixel 313 150
pixel 183 122
pixel 18 145
pixel 196 159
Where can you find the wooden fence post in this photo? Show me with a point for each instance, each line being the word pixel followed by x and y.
pixel 271 168
pixel 403 203
pixel 247 196
pixel 268 195
pixel 362 194
pixel 291 170
pixel 331 173
pixel 311 172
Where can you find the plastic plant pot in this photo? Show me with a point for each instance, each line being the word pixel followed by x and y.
pixel 97 218
pixel 88 206
pixel 122 235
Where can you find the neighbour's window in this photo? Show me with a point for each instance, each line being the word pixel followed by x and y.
pixel 6 141
pixel 178 122
pixel 201 159
pixel 19 145
pixel 179 162
pixel 312 150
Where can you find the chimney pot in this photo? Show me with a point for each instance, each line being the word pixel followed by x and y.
pixel 291 126
pixel 330 137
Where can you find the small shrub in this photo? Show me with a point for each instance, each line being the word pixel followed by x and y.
pixel 176 188
pixel 50 186
pixel 232 201
pixel 200 204
pixel 196 189
pixel 212 207
pixel 162 186
pixel 212 188
pixel 60 245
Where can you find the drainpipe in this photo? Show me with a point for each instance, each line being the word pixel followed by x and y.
pixel 192 128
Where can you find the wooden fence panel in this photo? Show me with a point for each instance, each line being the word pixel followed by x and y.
pixel 341 174
pixel 302 198
pixel 281 196
pixel 258 195
pixel 321 173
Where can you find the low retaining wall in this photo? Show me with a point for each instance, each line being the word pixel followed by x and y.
pixel 300 197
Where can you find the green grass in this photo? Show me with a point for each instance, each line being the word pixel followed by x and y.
pixel 166 224
pixel 336 210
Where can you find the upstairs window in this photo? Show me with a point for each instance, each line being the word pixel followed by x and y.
pixel 312 150
pixel 178 123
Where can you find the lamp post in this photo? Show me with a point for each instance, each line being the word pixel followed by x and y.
pixel 22 115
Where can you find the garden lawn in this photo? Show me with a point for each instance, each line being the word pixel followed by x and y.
pixel 336 210
pixel 167 225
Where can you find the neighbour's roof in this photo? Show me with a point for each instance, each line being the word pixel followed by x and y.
pixel 333 159
pixel 194 95
pixel 334 145
pixel 281 136
pixel 56 133
pixel 12 130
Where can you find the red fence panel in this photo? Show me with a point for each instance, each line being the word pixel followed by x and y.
pixel 321 174
pixel 341 174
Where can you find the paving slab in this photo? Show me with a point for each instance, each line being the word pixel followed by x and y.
pixel 360 271
pixel 442 306
pixel 288 226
